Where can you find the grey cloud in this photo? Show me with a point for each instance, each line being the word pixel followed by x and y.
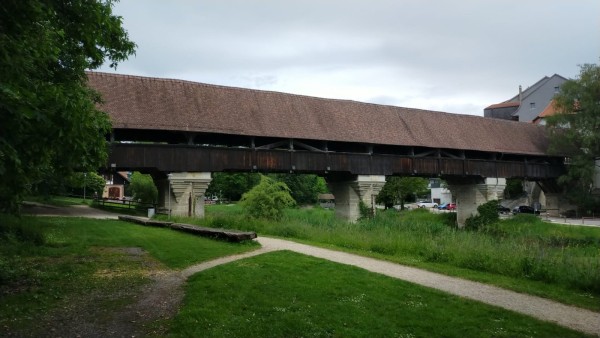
pixel 440 51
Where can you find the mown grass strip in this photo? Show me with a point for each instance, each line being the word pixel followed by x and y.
pixel 285 294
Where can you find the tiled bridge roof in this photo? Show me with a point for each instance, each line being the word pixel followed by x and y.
pixel 135 102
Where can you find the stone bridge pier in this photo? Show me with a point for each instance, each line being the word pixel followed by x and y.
pixel 182 194
pixel 349 192
pixel 471 193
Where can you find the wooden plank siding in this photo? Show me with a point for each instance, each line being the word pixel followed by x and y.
pixel 183 158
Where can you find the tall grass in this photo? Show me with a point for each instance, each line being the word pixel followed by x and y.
pixel 521 247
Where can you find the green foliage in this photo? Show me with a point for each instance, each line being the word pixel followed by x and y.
pixel 49 123
pixel 92 182
pixel 575 133
pixel 232 186
pixel 398 189
pixel 267 199
pixel 143 188
pixel 487 214
pixel 304 188
pixel 364 210
pixel 514 188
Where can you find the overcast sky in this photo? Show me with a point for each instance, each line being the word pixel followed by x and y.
pixel 454 56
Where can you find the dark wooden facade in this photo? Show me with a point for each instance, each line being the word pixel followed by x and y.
pixel 167 158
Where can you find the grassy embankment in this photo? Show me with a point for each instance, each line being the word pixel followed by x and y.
pixel 523 253
pixel 284 294
pixel 49 264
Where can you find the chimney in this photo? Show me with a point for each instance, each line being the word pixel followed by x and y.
pixel 520 93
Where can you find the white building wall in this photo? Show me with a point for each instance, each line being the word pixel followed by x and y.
pixel 442 194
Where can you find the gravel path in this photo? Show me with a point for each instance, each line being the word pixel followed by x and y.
pixel 568 316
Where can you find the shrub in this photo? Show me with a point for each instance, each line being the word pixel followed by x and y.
pixel 488 214
pixel 364 210
pixel 267 199
pixel 90 181
pixel 143 188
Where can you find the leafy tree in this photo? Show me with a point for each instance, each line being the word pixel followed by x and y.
pixel 267 199
pixel 398 189
pixel 232 185
pixel 575 131
pixel 92 182
pixel 514 188
pixel 143 188
pixel 48 118
pixel 304 188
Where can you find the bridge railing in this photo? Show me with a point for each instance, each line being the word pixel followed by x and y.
pixel 179 158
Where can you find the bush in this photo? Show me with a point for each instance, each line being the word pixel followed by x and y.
pixel 488 214
pixel 267 199
pixel 143 188
pixel 364 210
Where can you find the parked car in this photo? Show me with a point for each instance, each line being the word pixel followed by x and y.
pixel 525 209
pixel 425 204
pixel 503 210
pixel 447 206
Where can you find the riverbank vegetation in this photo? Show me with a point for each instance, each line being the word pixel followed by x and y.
pixel 522 253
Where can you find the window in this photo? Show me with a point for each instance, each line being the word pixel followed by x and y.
pixel 532 105
pixel 556 89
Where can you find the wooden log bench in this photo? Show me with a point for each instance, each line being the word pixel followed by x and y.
pixel 223 234
pixel 145 221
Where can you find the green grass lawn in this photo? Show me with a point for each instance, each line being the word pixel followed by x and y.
pixel 51 263
pixel 522 254
pixel 284 294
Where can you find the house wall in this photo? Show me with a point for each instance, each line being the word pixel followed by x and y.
pixel 113 191
pixel 540 97
pixel 441 195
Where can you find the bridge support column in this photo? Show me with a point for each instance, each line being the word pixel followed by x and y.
pixel 348 195
pixel 471 195
pixel 553 203
pixel 183 193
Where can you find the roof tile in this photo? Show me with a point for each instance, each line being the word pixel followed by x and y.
pixel 164 104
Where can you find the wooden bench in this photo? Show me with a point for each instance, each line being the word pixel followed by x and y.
pixel 225 234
